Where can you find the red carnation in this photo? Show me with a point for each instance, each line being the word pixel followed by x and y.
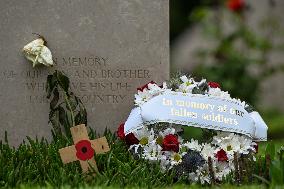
pixel 145 86
pixel 213 84
pixel 84 150
pixel 120 131
pixel 130 139
pixel 236 5
pixel 170 143
pixel 221 155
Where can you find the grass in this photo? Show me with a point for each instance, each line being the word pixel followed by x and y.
pixel 36 163
pixel 275 121
pixel 171 187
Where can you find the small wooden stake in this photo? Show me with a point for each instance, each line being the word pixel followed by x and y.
pixel 241 169
pixel 267 166
pixel 260 167
pixel 79 133
pixel 236 164
pixel 211 171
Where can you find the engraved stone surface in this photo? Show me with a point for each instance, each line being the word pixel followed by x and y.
pixel 108 48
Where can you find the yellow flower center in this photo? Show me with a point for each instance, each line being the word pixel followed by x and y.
pixel 144 141
pixel 159 140
pixel 177 157
pixel 187 83
pixel 229 148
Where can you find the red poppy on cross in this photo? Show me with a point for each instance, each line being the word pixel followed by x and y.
pixel 83 149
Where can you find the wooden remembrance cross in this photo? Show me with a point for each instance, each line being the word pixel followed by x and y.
pixel 83 149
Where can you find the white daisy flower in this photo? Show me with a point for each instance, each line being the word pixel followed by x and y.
pixel 142 96
pixel 208 151
pixel 222 169
pixel 193 145
pixel 167 131
pixel 193 177
pixel 151 91
pixel 203 174
pixel 218 93
pixel 164 162
pixel 154 89
pixel 152 151
pixel 144 135
pixel 175 159
pixel 231 143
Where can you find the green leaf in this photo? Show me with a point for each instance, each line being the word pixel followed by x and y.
pixel 50 84
pixel 63 81
pixel 69 119
pixel 78 119
pixel 270 150
pixel 71 100
pixel 81 118
pixel 54 120
pixel 196 90
pixel 55 99
pixel 276 172
pixel 62 116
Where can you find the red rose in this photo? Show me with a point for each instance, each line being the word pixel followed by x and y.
pixel 170 143
pixel 213 84
pixel 130 139
pixel 221 155
pixel 145 86
pixel 84 150
pixel 120 131
pixel 236 5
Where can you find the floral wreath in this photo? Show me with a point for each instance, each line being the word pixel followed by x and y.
pixel 198 162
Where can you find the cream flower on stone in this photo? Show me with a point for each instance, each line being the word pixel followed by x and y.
pixel 38 53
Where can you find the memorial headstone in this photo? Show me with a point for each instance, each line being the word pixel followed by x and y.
pixel 108 48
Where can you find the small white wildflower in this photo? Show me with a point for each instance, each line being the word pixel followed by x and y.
pixel 187 85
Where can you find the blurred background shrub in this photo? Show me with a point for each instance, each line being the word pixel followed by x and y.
pixel 236 43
